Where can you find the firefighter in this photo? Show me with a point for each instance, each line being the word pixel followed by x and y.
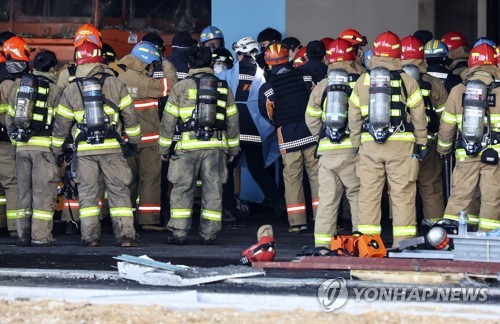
pixel 326 117
pixel 434 95
pixel 11 230
pixel 293 45
pixel 245 80
pixel 315 52
pixel 100 106
pixel 357 41
pixel 436 56
pixel 109 57
pixel 209 139
pixel 266 37
pixel 3 69
pixel 222 59
pixel 17 53
pixel 138 68
pixel 423 35
pixel 83 33
pixel 473 110
pixel 71 207
pixel 178 57
pixel 166 69
pixel 283 100
pixel 458 51
pixel 29 123
pixel 388 124
pixel 212 38
pixel 300 58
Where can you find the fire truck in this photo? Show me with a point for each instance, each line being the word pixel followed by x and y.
pixel 51 24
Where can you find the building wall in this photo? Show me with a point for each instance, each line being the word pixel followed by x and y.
pixel 314 19
pixel 240 18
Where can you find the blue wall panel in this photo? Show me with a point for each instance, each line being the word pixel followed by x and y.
pixel 238 18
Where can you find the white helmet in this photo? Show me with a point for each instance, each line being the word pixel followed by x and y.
pixel 246 45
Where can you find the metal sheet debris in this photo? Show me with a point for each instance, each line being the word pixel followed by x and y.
pixel 155 274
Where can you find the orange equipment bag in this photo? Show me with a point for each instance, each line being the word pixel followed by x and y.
pixel 343 244
pixel 358 244
pixel 370 246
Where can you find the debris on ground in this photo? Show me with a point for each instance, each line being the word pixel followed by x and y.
pixel 147 271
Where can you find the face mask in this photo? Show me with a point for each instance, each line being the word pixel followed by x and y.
pixel 218 68
pixel 16 67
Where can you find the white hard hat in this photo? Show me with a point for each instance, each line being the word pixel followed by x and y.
pixel 246 45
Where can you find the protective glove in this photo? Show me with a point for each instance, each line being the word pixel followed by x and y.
pixel 129 150
pixel 421 151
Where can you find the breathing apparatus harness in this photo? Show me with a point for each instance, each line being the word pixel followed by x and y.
pixel 475 136
pixel 203 121
pixel 32 117
pixel 380 123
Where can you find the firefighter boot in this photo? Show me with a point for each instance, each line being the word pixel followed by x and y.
pixel 23 225
pixel 123 228
pixel 91 231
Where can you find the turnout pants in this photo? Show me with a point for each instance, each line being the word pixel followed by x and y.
pixel 294 164
pixel 114 170
pixel 391 160
pixel 184 170
pixel 145 188
pixel 9 182
pixel 337 173
pixel 430 185
pixel 474 207
pixel 38 176
pixel 467 175
pixel 72 207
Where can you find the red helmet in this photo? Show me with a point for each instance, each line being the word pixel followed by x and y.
pixel 353 37
pixel 340 50
pixel 411 48
pixel 454 40
pixel 88 53
pixel 300 57
pixel 264 250
pixel 387 44
pixel 482 54
pixel 88 33
pixel 2 57
pixel 16 48
pixel 326 41
pixel 276 53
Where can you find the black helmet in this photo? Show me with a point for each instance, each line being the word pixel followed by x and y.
pixel 156 40
pixel 222 56
pixel 108 53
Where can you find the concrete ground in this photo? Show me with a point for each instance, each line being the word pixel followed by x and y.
pixel 69 282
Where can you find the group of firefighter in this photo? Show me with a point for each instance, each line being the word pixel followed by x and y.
pixel 360 123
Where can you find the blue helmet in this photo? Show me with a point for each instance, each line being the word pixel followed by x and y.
pixel 484 40
pixel 146 52
pixel 209 33
pixel 367 58
pixel 435 48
